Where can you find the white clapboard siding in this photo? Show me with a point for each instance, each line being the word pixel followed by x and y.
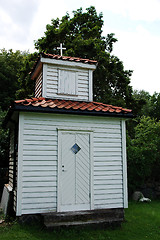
pixel 108 192
pixel 36 206
pixel 37 195
pixel 40 163
pixel 36 174
pixel 107 163
pixel 103 173
pixel 40 160
pixel 39 178
pixel 110 201
pixel 103 187
pixel 66 83
pixel 40 191
pixel 110 177
pixel 40 138
pixel 39 209
pixel 110 205
pixel 103 197
pixel 38 86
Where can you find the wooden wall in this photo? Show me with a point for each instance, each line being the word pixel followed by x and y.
pixel 51 88
pixel 38 157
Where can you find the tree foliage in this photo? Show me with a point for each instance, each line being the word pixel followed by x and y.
pixel 4 142
pixel 10 64
pixel 82 37
pixel 146 104
pixel 144 153
pixel 154 106
pixel 25 84
pixel 15 81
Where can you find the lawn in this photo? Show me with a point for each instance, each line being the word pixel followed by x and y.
pixel 142 221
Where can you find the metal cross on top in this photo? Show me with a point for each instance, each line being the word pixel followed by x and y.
pixel 61 48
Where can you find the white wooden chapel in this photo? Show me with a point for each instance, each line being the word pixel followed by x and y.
pixel 71 153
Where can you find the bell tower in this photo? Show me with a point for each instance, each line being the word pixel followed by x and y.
pixel 63 77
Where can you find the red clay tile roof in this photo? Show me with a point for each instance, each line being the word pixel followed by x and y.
pixel 66 58
pixel 58 57
pixel 69 106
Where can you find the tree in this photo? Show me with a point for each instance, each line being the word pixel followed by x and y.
pixel 4 142
pixel 10 63
pixel 82 36
pixel 146 104
pixel 154 109
pixel 144 153
pixel 15 81
pixel 141 102
pixel 140 107
pixel 25 84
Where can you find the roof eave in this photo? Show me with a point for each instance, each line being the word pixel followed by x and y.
pixel 36 69
pixel 70 111
pixel 68 63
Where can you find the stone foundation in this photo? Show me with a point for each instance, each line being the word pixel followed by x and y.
pixel 101 217
pixel 96 218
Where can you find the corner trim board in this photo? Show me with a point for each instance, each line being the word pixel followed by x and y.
pixel 124 161
pixel 44 82
pixel 20 165
pixel 90 85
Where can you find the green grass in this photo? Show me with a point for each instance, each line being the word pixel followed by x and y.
pixel 142 221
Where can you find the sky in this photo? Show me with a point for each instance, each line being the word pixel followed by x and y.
pixel 135 23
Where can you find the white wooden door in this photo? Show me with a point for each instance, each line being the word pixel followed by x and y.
pixel 74 171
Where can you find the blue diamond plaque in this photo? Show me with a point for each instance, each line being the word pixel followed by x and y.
pixel 75 148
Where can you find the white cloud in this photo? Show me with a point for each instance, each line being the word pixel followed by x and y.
pixel 47 10
pixel 146 10
pixel 140 52
pixel 15 21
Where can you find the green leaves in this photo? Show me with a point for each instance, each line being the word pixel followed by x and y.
pixel 15 81
pixel 109 42
pixel 10 62
pixel 4 142
pixel 144 152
